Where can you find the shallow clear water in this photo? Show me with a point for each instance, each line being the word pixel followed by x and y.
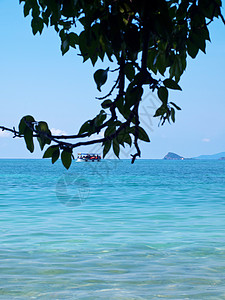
pixel 112 230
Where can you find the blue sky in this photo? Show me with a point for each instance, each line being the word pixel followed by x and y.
pixel 36 79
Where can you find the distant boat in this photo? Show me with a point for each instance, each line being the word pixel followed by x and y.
pixel 85 157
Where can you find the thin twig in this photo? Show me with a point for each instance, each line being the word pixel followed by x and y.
pixel 222 18
pixel 111 91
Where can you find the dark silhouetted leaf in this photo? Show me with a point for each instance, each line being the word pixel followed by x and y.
pixel 176 106
pixel 116 147
pixel 172 112
pixel 107 146
pixel 106 104
pixel 22 124
pixel 100 77
pixel 171 84
pixel 66 157
pixel 163 94
pixel 28 137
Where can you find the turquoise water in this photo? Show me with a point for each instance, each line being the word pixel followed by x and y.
pixel 112 230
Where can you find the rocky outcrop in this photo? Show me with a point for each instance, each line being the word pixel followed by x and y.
pixel 173 156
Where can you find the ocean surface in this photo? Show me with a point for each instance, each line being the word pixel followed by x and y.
pixel 112 230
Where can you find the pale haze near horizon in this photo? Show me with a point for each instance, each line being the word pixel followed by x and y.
pixel 37 80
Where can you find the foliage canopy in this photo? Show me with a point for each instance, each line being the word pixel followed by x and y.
pixel 149 40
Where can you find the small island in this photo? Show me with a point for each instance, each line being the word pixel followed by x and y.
pixel 173 156
pixel 222 158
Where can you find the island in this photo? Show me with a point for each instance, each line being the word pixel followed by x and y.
pixel 173 156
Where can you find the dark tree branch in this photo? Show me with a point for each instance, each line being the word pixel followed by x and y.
pixel 222 18
pixel 144 74
pixel 14 131
pixel 111 91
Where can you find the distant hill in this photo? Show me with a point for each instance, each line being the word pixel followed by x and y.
pixel 213 156
pixel 173 156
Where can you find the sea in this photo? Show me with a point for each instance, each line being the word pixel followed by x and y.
pixel 112 230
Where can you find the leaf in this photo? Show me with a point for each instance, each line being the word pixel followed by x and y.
pixel 116 147
pixel 26 9
pixel 53 152
pixel 107 146
pixel 143 135
pixel 163 94
pixel 73 39
pixel 48 153
pixel 28 137
pixel 127 139
pixel 23 125
pixel 160 111
pixel 106 104
pixel 100 118
pixel 65 46
pixel 110 130
pixel 129 71
pixel 133 95
pixel 124 137
pixel 84 128
pixel 171 84
pixel 177 107
pixel 100 77
pixel 37 25
pixel 55 155
pixel 172 112
pixel 66 157
pixel 43 131
pixel 192 49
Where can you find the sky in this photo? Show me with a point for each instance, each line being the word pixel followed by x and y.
pixel 36 79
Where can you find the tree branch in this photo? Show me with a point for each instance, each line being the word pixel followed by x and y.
pixel 222 18
pixel 14 131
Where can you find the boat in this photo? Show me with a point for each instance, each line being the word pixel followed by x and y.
pixel 88 157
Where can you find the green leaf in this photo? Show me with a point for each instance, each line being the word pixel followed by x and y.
pixel 53 152
pixel 43 130
pixel 55 155
pixel 110 130
pixel 116 147
pixel 163 94
pixel 127 139
pixel 43 141
pixel 66 157
pixel 100 118
pixel 48 153
pixel 172 112
pixel 133 95
pixel 28 137
pixel 73 39
pixel 65 45
pixel 23 125
pixel 177 107
pixel 26 9
pixel 142 135
pixel 37 25
pixel 100 77
pixel 107 146
pixel 84 128
pixel 160 111
pixel 129 71
pixel 124 137
pixel 171 84
pixel 106 104
pixel 192 49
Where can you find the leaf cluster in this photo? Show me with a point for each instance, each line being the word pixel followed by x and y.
pixel 149 40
